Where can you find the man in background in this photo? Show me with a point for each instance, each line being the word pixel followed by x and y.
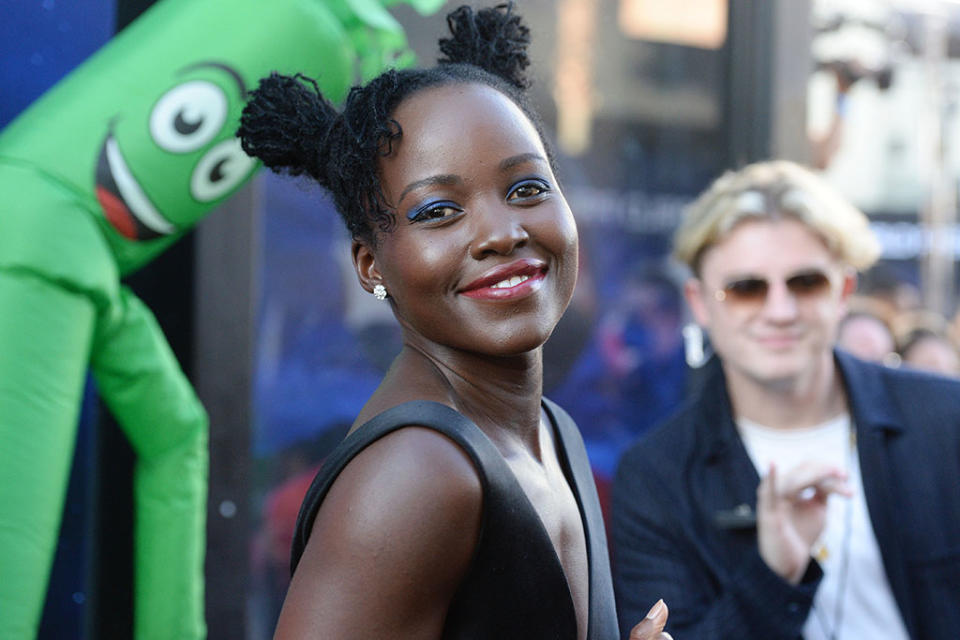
pixel 801 492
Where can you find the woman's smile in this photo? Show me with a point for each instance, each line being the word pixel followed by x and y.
pixel 510 281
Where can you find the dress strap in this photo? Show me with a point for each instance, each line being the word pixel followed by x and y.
pixel 603 614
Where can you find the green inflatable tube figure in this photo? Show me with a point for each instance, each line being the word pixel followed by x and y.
pixel 99 176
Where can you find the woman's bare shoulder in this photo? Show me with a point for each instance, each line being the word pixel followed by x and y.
pixel 408 465
pixel 399 526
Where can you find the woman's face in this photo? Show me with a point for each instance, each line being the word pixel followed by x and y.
pixel 483 257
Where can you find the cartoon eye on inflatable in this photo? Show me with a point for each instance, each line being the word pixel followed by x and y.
pixel 188 116
pixel 220 170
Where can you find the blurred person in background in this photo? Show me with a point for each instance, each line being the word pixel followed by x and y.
pixel 866 336
pixel 632 375
pixel 924 342
pixel 889 294
pixel 928 350
pixel 801 492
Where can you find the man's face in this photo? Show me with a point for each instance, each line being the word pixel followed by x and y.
pixel 771 295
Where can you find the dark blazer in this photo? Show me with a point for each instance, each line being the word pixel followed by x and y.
pixel 684 498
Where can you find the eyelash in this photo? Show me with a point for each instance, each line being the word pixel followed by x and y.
pixel 423 214
pixel 543 187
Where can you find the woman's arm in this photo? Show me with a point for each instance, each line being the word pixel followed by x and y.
pixel 390 544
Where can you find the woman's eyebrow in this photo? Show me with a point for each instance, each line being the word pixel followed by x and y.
pixel 513 161
pixel 445 179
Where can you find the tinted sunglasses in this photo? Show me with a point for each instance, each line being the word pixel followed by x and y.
pixel 803 285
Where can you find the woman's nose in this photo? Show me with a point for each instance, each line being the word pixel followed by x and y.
pixel 498 231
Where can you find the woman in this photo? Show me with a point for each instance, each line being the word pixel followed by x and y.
pixel 461 504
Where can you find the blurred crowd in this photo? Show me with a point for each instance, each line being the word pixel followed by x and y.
pixel 887 323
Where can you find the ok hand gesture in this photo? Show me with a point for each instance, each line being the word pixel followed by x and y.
pixel 791 515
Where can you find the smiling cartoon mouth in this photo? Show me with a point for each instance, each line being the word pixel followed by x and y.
pixel 124 202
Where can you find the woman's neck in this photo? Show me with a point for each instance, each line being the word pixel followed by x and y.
pixel 501 395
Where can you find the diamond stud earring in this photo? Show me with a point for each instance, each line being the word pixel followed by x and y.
pixel 379 292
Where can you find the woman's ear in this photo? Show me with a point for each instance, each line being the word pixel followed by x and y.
pixel 366 265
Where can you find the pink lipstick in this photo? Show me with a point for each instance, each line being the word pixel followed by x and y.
pixel 507 282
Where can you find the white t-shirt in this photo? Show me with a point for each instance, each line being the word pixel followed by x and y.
pixel 859 594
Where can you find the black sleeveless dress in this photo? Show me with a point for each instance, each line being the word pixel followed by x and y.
pixel 515 587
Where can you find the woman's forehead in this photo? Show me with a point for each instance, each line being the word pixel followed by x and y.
pixel 448 128
pixel 461 109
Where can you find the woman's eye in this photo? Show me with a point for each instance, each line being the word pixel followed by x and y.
pixel 526 190
pixel 434 212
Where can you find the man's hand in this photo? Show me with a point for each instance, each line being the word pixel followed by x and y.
pixel 791 514
pixel 651 627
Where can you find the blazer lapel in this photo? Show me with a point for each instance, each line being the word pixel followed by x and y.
pixel 726 492
pixel 877 421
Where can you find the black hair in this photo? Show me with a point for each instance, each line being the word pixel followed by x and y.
pixel 289 125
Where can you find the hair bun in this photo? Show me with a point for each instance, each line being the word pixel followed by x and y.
pixel 285 124
pixel 494 39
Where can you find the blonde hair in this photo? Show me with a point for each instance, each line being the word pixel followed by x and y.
pixel 774 190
